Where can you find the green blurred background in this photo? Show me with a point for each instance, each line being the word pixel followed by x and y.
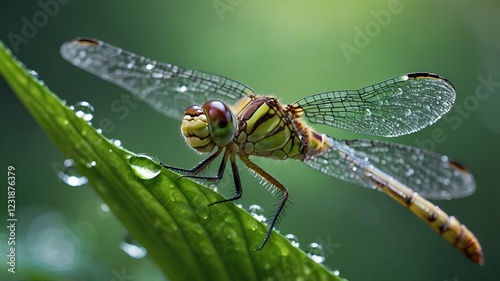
pixel 288 48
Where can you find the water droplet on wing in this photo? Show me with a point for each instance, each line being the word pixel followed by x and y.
pixel 407 112
pixel 181 89
pixel 409 172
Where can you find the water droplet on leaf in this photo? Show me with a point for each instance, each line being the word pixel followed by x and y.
pixel 294 240
pixel 83 110
pixel 213 187
pixel 144 166
pixel 132 248
pixel 315 252
pixel 257 212
pixel 117 143
pixel 70 176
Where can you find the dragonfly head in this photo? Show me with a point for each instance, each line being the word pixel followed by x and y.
pixel 207 126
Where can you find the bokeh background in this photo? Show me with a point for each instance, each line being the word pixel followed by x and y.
pixel 288 48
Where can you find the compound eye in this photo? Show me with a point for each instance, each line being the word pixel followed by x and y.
pixel 220 122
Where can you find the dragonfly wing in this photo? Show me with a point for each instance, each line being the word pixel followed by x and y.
pixel 167 88
pixel 432 175
pixel 395 107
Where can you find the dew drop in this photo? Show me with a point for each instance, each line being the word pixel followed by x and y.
pixel 34 74
pixel 445 195
pixel 409 172
pixel 398 92
pixel 132 248
pixel 213 187
pixel 353 167
pixel 104 207
pixel 144 166
pixel 315 252
pixel 130 64
pixel 293 240
pixel 83 110
pixel 368 112
pixel 117 143
pixel 257 212
pixel 103 210
pixel 181 89
pixel 157 75
pixel 91 164
pixel 407 112
pixel 336 272
pixel 149 66
pixel 70 176
pixel 445 159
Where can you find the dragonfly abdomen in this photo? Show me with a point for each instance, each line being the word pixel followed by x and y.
pixel 445 225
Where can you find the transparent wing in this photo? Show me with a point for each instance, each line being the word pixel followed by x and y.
pixel 432 175
pixel 167 88
pixel 398 106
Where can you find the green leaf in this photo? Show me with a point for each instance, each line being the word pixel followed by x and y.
pixel 167 214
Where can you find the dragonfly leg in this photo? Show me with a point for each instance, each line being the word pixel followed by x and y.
pixel 198 168
pixel 220 172
pixel 277 185
pixel 237 183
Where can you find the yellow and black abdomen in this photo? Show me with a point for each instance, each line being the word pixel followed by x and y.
pixel 264 130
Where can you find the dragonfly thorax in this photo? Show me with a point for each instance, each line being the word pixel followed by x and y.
pixel 207 126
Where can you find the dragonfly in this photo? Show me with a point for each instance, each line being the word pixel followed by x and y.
pixel 229 120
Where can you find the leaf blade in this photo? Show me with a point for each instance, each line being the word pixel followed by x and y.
pixel 167 214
